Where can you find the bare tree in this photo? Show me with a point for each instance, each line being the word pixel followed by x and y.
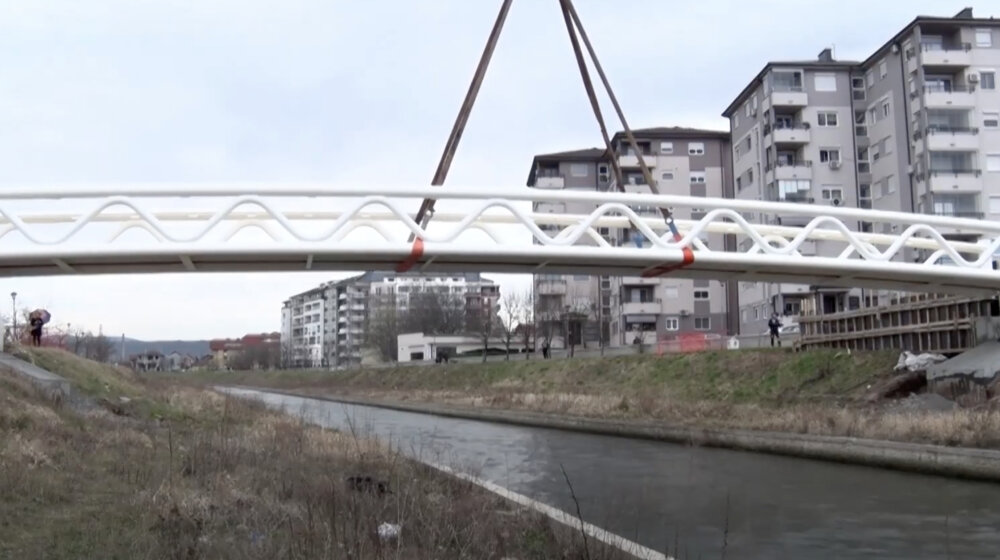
pixel 521 306
pixel 485 322
pixel 258 356
pixel 96 347
pixel 509 318
pixel 382 332
pixel 434 312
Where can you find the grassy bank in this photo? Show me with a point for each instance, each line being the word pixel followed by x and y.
pixel 816 392
pixel 158 471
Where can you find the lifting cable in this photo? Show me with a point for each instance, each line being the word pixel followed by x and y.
pixel 573 26
pixel 451 146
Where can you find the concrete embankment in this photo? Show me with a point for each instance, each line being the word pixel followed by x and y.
pixel 980 464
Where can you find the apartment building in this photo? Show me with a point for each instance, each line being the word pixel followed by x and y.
pixel 326 326
pixel 793 140
pixel 915 127
pixel 684 161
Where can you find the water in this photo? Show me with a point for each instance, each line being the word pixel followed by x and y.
pixel 659 494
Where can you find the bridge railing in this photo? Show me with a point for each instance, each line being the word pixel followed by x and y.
pixel 479 227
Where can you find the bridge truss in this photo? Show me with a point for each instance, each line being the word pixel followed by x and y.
pixel 53 231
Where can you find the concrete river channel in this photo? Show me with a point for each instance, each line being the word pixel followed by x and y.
pixel 658 494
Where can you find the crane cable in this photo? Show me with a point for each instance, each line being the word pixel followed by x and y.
pixel 573 26
pixel 451 146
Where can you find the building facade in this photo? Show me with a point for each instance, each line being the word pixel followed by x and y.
pixel 915 128
pixel 327 325
pixel 683 161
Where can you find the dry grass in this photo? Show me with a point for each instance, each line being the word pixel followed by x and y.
pixel 192 474
pixel 817 392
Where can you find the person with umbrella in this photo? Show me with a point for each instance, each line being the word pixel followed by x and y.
pixel 37 319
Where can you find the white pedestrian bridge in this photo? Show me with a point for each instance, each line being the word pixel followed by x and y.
pixel 55 230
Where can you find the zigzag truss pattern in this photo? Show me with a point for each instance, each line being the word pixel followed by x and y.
pixel 918 257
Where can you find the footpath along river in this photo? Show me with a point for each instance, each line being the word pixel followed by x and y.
pixel 658 494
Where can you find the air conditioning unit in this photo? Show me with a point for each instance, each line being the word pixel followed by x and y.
pixel 684 313
pixel 603 178
pixel 835 164
pixel 973 78
pixel 836 202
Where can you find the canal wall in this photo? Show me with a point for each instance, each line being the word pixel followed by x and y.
pixel 979 464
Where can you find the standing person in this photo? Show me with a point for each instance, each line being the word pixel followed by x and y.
pixel 773 325
pixel 36 331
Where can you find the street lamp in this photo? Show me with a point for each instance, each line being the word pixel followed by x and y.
pixel 13 309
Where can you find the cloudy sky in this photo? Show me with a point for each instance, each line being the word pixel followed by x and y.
pixel 351 93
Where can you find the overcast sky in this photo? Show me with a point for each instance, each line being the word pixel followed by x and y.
pixel 352 93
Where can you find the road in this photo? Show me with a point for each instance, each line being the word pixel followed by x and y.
pixel 659 494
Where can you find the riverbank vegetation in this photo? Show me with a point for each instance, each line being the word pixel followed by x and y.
pixel 144 469
pixel 820 392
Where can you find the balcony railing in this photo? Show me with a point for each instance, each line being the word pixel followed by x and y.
pixel 940 47
pixel 794 163
pixel 957 214
pixel 955 171
pixel 797 197
pixel 548 173
pixel 952 130
pixel 949 88
pixel 784 126
pixel 781 88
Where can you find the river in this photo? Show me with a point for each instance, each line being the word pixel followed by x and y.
pixel 659 494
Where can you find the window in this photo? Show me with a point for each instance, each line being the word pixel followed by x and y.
pixel 829 154
pixel 871 78
pixel 667 175
pixel 696 148
pixel 668 147
pixel 872 115
pixel 826 118
pixel 995 205
pixel 991 120
pixel 857 83
pixel 701 294
pixel 697 177
pixel 671 324
pixel 883 69
pixel 746 108
pixel 890 184
pixel 671 292
pixel 874 152
pixel 833 193
pixel 702 323
pixel 984 38
pixel 736 120
pixel 987 79
pixel 579 169
pixel 825 82
pixel 993 162
pixel 885 108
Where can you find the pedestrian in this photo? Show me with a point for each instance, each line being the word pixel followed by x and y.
pixel 36 331
pixel 545 350
pixel 773 325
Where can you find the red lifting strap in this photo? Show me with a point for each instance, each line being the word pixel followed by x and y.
pixel 415 253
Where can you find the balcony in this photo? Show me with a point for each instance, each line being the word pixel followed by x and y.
pixel 789 98
pixel 794 134
pixel 552 288
pixel 952 180
pixel 550 182
pixel 639 281
pixel 642 308
pixel 952 138
pixel 936 55
pixel 944 97
pixel 784 170
pixel 633 160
